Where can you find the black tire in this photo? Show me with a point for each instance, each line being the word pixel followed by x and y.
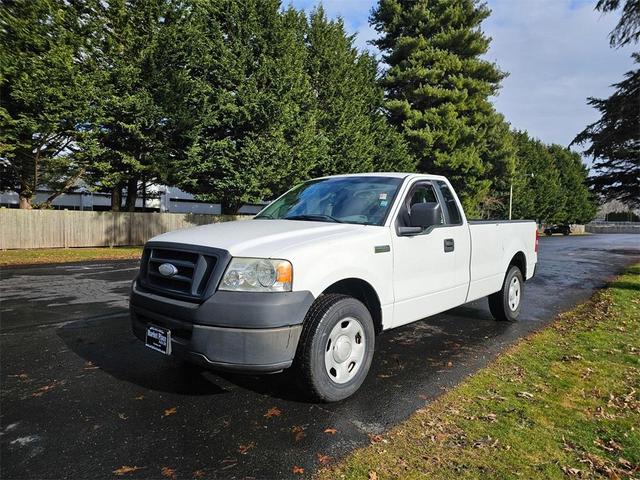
pixel 499 303
pixel 311 374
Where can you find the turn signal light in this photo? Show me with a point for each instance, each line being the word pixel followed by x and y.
pixel 284 273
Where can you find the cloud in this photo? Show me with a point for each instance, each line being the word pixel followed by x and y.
pixel 556 52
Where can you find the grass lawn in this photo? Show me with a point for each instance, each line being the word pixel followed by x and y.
pixel 64 255
pixel 563 403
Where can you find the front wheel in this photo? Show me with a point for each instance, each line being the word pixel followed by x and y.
pixel 336 348
pixel 505 304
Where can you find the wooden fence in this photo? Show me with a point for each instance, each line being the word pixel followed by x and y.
pixel 68 228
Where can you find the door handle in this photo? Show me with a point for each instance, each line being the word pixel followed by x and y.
pixel 449 245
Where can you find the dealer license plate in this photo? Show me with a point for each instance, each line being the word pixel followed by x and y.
pixel 159 339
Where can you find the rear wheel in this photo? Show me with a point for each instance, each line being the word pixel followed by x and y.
pixel 336 348
pixel 505 305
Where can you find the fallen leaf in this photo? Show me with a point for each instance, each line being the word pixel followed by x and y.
pixel 20 376
pixel 375 438
pixel 125 469
pixel 273 412
pixel 122 416
pixel 624 463
pixel 170 411
pixel 568 358
pixel 323 459
pixel 140 397
pixel 198 474
pixel 574 472
pixel 330 431
pixel 298 470
pixel 373 475
pixel 243 449
pixel 449 364
pixel 383 375
pixel 490 417
pixel 90 366
pixel 168 472
pixel 42 390
pixel 298 433
pixel 525 395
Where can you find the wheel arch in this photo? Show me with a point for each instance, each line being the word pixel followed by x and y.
pixel 519 260
pixel 363 291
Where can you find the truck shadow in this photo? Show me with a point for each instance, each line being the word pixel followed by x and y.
pixel 404 357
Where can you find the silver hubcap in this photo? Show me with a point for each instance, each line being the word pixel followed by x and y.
pixel 514 294
pixel 344 352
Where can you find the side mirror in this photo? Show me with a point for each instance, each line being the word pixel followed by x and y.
pixel 425 215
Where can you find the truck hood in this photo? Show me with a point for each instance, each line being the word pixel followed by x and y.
pixel 262 238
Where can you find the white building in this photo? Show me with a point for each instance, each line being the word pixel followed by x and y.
pixel 159 198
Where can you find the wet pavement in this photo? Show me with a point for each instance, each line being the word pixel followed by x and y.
pixel 82 398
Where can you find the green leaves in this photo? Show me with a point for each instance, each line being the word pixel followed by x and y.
pixel 282 98
pixel 438 91
pixel 614 141
pixel 236 101
pixel 47 88
pixel 550 183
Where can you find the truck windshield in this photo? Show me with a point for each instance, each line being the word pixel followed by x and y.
pixel 362 200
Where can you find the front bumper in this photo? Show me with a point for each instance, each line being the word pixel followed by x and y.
pixel 235 331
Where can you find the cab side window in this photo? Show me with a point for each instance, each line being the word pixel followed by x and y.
pixel 421 193
pixel 454 212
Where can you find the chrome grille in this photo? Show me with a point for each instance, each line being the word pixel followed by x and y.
pixel 194 270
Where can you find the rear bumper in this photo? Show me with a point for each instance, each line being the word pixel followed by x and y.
pixel 234 331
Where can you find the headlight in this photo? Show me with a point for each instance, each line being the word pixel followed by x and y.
pixel 257 275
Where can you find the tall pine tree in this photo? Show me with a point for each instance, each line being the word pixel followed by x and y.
pixel 579 203
pixel 614 140
pixel 239 67
pixel 130 127
pixel 355 133
pixel 47 85
pixel 438 90
pixel 538 193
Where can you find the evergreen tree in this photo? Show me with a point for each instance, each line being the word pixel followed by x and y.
pixel 244 84
pixel 438 91
pixel 614 141
pixel 46 88
pixel 355 133
pixel 628 28
pixel 538 193
pixel 130 127
pixel 579 204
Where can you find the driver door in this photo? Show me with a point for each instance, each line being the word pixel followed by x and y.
pixel 424 264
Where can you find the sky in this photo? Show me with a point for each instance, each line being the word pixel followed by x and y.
pixel 556 53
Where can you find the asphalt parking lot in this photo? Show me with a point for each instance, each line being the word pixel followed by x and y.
pixel 82 398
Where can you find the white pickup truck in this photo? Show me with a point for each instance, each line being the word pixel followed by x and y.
pixel 311 280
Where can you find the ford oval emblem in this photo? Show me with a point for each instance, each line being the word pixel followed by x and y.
pixel 167 270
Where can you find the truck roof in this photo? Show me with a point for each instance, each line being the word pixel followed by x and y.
pixel 387 174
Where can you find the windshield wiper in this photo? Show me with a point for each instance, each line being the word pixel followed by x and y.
pixel 314 216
